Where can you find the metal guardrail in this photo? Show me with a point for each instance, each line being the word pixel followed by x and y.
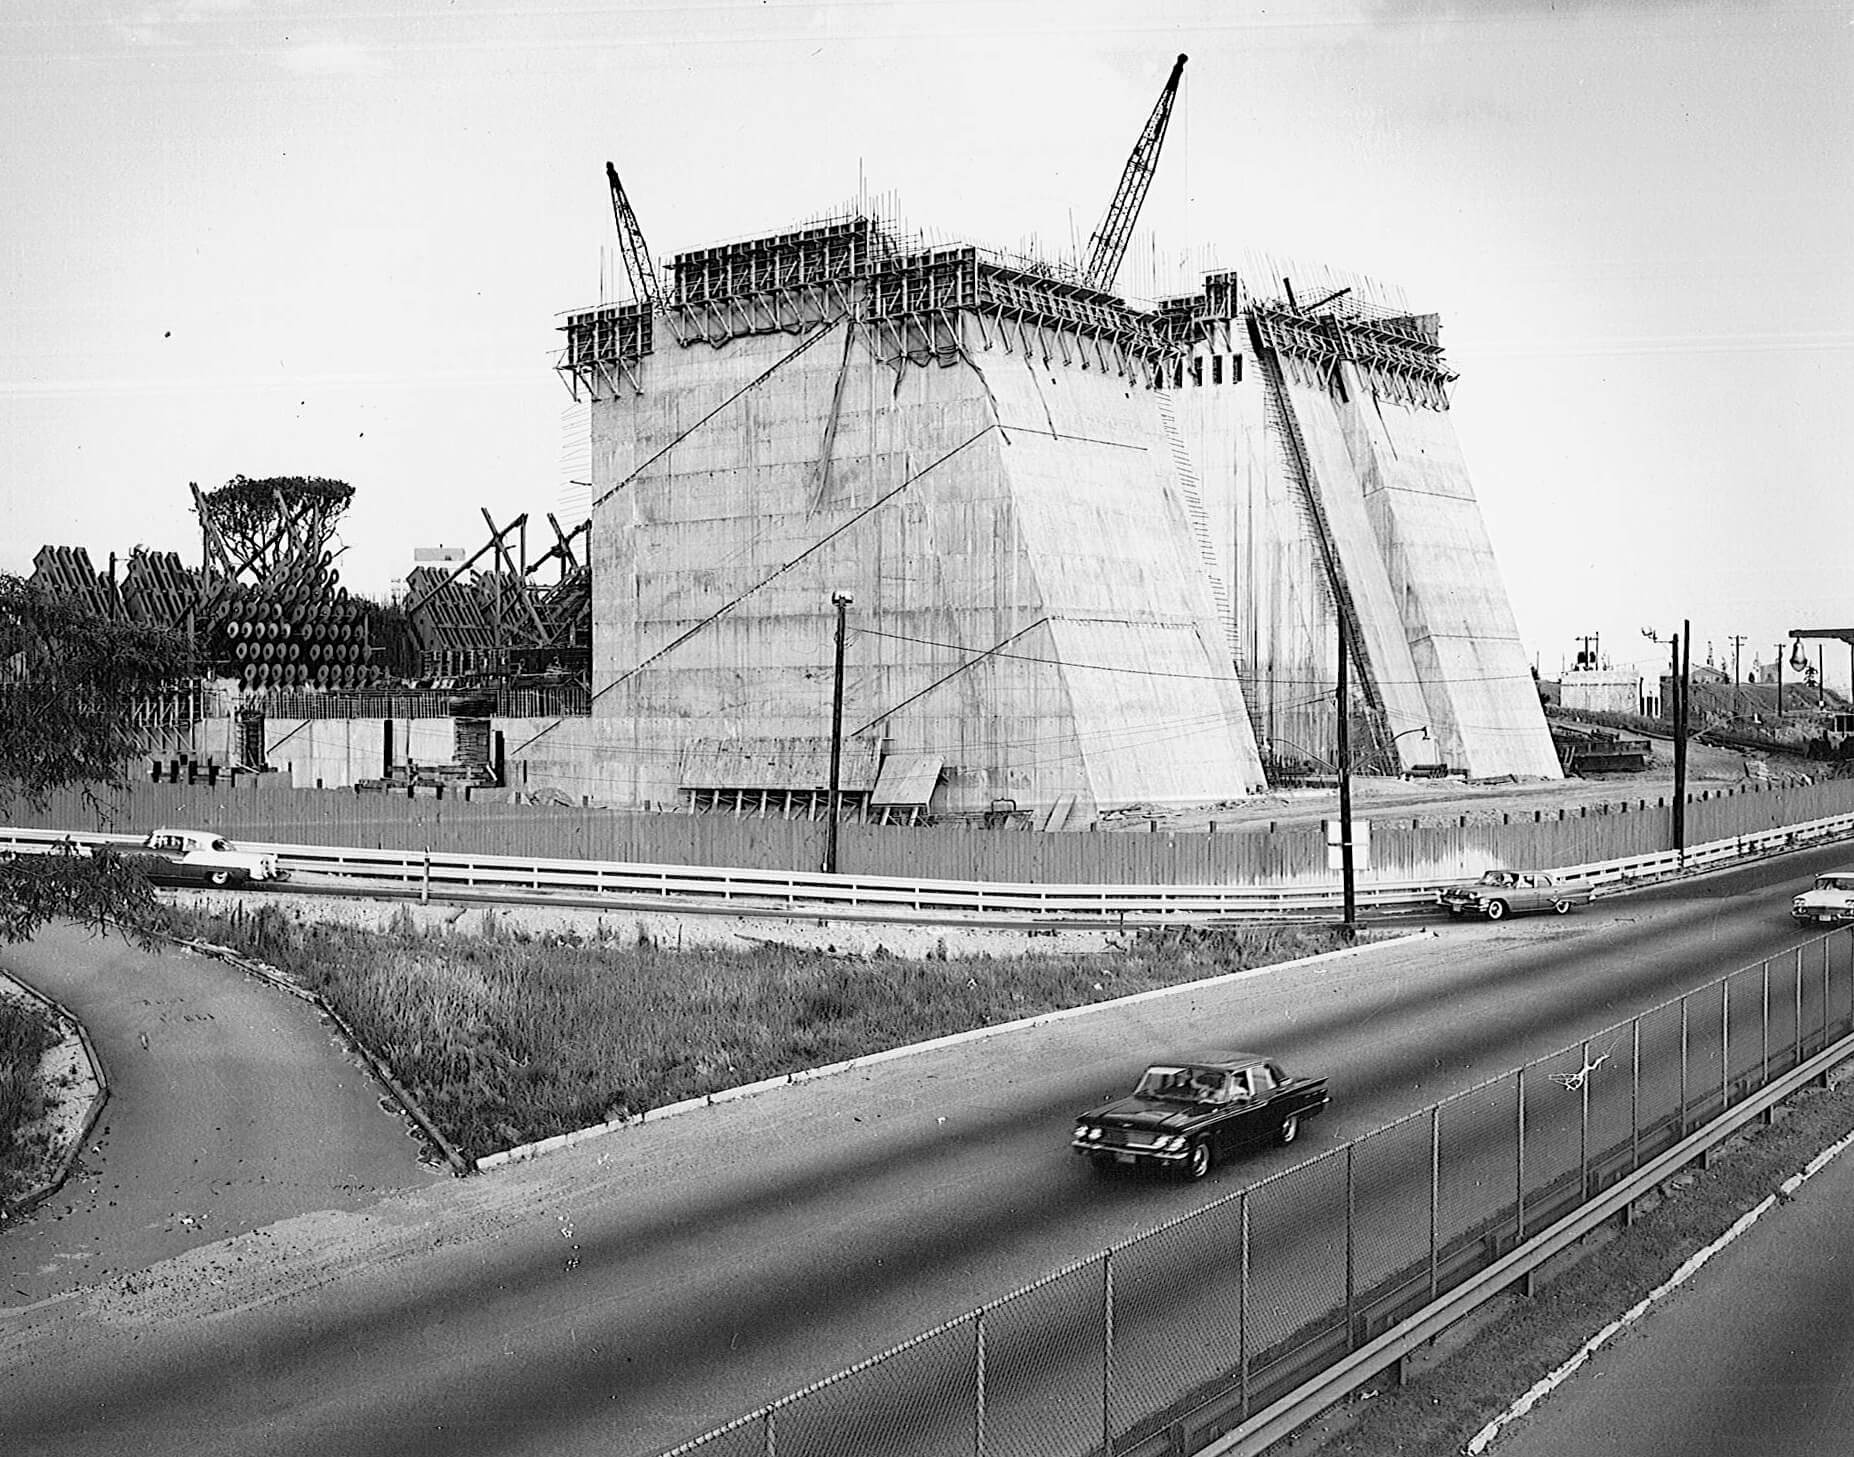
pixel 792 891
pixel 1300 1406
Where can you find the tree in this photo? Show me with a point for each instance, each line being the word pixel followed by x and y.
pixel 264 527
pixel 68 679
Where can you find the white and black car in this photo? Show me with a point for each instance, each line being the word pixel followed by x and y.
pixel 1829 900
pixel 199 857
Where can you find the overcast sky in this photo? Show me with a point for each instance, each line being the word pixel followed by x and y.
pixel 334 237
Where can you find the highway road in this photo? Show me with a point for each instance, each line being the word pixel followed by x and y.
pixel 633 1291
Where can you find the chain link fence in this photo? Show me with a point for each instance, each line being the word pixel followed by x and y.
pixel 1158 1345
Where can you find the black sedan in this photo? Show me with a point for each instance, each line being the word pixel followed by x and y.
pixel 1188 1113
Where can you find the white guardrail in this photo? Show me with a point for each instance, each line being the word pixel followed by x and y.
pixel 896 897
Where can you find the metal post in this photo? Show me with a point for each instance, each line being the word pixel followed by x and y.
pixel 1242 1312
pixel 978 1416
pixel 1796 1056
pixel 1583 1126
pixel 1725 1044
pixel 1683 1067
pixel 1764 1073
pixel 1435 1194
pixel 1345 788
pixel 1107 1353
pixel 1351 1286
pixel 842 602
pixel 1519 1130
pixel 1635 1095
pixel 1828 1035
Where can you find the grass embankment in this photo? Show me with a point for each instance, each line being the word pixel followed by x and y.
pixel 26 1034
pixel 1470 1379
pixel 504 1038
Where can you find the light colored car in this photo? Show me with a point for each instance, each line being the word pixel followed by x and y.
pixel 1502 893
pixel 200 855
pixel 1831 898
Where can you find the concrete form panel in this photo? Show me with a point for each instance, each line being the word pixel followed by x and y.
pixel 968 509
pixel 1385 647
pixel 1483 708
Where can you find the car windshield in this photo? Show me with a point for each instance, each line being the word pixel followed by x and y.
pixel 1499 877
pixel 1834 882
pixel 1180 1084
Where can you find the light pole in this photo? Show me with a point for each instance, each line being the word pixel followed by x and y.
pixel 842 602
pixel 1680 665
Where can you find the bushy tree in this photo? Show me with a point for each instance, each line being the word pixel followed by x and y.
pixel 267 523
pixel 67 679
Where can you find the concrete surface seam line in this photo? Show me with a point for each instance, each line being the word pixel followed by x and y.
pixel 1479 1442
pixel 974 1034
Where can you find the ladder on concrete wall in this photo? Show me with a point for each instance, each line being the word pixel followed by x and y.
pixel 1192 490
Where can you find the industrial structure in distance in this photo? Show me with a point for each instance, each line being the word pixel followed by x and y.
pixel 1090 552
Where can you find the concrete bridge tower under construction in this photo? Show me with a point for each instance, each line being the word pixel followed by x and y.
pixel 1098 555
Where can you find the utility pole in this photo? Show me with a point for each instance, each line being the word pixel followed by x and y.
pixel 1779 680
pixel 1737 641
pixel 1683 667
pixel 842 602
pixel 1675 708
pixel 1345 789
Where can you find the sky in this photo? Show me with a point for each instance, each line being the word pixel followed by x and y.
pixel 337 237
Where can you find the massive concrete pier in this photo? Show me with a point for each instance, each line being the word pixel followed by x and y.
pixel 1097 555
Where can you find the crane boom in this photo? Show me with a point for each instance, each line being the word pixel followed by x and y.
pixel 1108 246
pixel 637 265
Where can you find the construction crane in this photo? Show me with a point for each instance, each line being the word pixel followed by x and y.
pixel 637 265
pixel 1108 246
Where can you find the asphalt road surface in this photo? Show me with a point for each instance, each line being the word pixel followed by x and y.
pixel 231 1106
pixel 626 1294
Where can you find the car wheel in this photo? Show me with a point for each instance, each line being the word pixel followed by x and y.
pixel 1291 1128
pixel 1197 1161
pixel 219 877
pixel 1496 910
pixel 1563 908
